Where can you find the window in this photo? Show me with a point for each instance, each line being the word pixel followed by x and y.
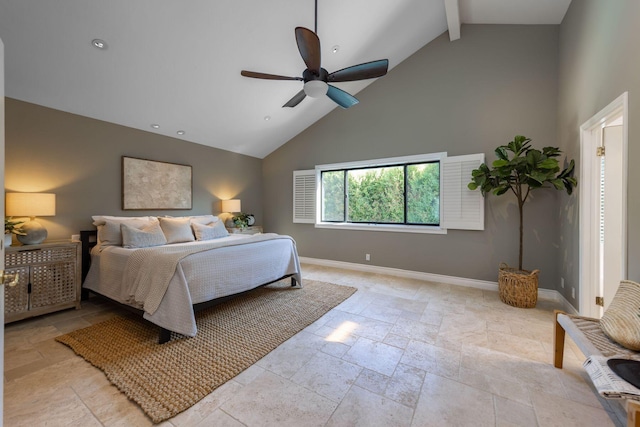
pixel 423 194
pixel 396 194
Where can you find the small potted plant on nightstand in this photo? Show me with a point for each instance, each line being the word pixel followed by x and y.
pixel 243 220
pixel 12 227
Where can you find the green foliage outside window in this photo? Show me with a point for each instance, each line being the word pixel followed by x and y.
pixel 423 193
pixel 377 195
pixel 333 196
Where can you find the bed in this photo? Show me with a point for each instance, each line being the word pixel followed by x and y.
pixel 169 282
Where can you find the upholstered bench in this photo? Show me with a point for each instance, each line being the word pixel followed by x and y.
pixel 588 336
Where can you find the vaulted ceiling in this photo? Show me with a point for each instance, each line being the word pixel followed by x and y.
pixel 176 64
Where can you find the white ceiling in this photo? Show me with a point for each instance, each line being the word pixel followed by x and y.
pixel 177 63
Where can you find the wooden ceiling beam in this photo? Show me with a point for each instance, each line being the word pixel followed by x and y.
pixel 452 11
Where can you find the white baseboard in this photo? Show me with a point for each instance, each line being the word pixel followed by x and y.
pixel 566 305
pixel 544 294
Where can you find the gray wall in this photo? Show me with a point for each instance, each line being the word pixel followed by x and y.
pixel 79 159
pixel 462 97
pixel 599 60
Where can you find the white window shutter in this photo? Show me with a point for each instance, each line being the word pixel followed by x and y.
pixel 304 196
pixel 462 208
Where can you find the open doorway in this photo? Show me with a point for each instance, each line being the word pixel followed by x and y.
pixel 603 206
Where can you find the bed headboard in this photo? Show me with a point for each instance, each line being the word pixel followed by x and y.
pixel 89 239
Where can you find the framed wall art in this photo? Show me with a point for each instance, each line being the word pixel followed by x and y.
pixel 153 185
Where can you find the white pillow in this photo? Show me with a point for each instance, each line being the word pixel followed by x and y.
pixel 203 219
pixel 176 230
pixel 213 230
pixel 149 235
pixel 101 219
pixel 109 232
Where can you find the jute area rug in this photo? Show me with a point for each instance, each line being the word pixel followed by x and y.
pixel 166 379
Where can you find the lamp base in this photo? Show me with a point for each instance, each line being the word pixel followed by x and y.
pixel 36 233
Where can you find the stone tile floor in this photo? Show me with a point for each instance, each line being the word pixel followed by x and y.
pixel 399 352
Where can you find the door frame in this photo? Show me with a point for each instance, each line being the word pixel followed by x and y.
pixel 590 134
pixel 2 115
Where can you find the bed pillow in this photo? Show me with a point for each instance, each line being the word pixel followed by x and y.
pixel 203 219
pixel 213 230
pixel 147 236
pixel 109 232
pixel 621 321
pixel 101 219
pixel 176 230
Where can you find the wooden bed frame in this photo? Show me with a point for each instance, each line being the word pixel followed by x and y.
pixel 89 239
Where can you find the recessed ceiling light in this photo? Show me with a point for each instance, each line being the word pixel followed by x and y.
pixel 180 132
pixel 100 44
pixel 155 126
pixel 335 49
pixel 267 118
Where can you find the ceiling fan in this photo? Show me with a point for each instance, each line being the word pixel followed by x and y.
pixel 316 79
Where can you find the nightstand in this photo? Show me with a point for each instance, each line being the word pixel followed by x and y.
pixel 254 229
pixel 49 279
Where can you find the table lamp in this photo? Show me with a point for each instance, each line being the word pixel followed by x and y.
pixel 231 206
pixel 31 205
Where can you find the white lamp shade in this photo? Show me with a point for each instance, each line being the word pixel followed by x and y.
pixel 30 204
pixel 232 205
pixel 315 88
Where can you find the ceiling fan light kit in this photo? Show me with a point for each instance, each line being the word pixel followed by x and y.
pixel 316 88
pixel 316 79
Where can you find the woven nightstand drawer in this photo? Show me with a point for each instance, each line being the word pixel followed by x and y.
pixel 41 255
pixel 49 279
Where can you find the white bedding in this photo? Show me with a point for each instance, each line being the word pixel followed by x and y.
pixel 199 277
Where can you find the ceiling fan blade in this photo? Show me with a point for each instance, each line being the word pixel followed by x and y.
pixel 368 70
pixel 341 97
pixel 256 75
pixel 297 99
pixel 309 47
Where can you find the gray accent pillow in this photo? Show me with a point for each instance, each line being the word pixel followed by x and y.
pixel 213 230
pixel 109 231
pixel 149 235
pixel 176 230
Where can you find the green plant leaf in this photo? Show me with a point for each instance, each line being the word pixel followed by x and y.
pixel 501 153
pixel 519 161
pixel 551 151
pixel 569 170
pixel 558 183
pixel 501 190
pixel 539 176
pixel 500 163
pixel 548 164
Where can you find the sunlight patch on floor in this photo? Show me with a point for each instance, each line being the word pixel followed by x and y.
pixel 342 332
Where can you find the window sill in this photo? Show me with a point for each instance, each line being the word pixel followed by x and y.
pixel 383 227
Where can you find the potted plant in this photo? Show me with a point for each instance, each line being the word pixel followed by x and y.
pixel 12 227
pixel 521 169
pixel 242 220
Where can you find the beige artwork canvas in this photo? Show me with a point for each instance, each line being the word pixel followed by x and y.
pixel 149 185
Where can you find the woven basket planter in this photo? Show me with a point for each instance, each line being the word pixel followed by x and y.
pixel 518 288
